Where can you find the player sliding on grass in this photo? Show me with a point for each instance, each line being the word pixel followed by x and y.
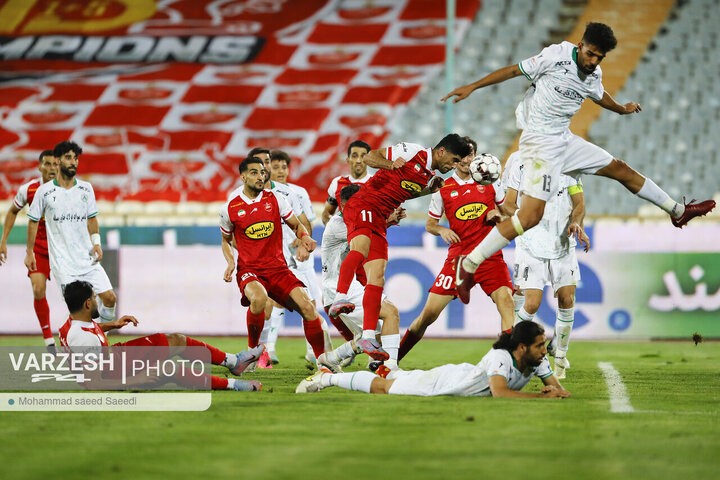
pixel 80 330
pixel 406 171
pixel 471 213
pixel 563 76
pixel 515 358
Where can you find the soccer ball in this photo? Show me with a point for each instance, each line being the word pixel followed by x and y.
pixel 485 168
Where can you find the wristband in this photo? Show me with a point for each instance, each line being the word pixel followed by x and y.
pixel 95 238
pixel 304 234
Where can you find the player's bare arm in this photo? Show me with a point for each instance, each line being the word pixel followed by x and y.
pixel 377 159
pixel 499 389
pixel 328 212
pixel 433 186
pixel 94 231
pixel 32 229
pixel 7 226
pixel 498 76
pixel 576 220
pixel 552 382
pixel 509 206
pixel 395 217
pixel 433 226
pixel 119 323
pixel 306 241
pixel 228 246
pixel 609 103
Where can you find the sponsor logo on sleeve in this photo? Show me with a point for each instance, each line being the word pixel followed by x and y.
pixel 471 211
pixel 260 230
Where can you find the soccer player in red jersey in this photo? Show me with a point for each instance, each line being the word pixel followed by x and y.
pixel 405 171
pixel 38 277
pixel 471 213
pixel 358 174
pixel 81 330
pixel 253 218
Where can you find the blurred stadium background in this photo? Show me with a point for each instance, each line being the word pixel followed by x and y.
pixel 166 98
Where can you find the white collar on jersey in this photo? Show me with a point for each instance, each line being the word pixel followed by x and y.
pixel 81 323
pixel 254 200
pixel 461 181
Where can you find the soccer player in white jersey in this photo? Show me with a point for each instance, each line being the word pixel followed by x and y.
pixel 514 360
pixel 546 254
pixel 358 174
pixel 563 76
pixel 335 247
pixel 38 278
pixel 68 207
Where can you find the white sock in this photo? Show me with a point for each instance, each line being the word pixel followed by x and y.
pixel 657 196
pixel 344 351
pixel 277 318
pixel 492 243
pixel 524 315
pixel 265 333
pixel 368 334
pixel 107 314
pixel 563 327
pixel 391 344
pixel 519 301
pixel 231 383
pixel 357 381
pixel 50 341
pixel 230 360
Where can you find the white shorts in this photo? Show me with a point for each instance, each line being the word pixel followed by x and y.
pixel 546 157
pixel 96 277
pixel 459 380
pixel 354 319
pixel 534 273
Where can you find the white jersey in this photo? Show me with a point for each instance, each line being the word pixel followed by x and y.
pixel 21 198
pixel 66 212
pixel 306 205
pixel 466 379
pixel 548 239
pixel 284 191
pixel 558 89
pixel 333 251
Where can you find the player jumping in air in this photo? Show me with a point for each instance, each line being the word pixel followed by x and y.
pixel 253 218
pixel 562 76
pixel 39 277
pixel 514 360
pixel 68 207
pixel 471 213
pixel 80 330
pixel 406 171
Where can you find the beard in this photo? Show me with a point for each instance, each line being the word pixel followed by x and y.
pixel 95 313
pixel 255 188
pixel 67 171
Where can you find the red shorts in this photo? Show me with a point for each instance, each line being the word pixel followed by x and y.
pixel 42 264
pixel 278 282
pixel 364 220
pixel 492 274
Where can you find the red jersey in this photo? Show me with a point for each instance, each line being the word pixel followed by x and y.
pixel 25 196
pixel 75 333
pixel 465 204
pixel 256 225
pixel 341 182
pixel 388 189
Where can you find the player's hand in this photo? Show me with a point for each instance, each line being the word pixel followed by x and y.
pixel 580 236
pixel 124 320
pixel 97 253
pixel 397 215
pixel 550 391
pixel 302 254
pixel 449 236
pixel 308 242
pixel 435 183
pixel 631 107
pixel 227 276
pixel 3 253
pixel 493 217
pixel 295 243
pixel 461 93
pixel 30 262
pixel 398 163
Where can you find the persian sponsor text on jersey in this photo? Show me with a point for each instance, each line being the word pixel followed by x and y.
pixel 411 186
pixel 471 211
pixel 260 230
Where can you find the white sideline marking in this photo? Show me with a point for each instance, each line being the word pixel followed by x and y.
pixel 619 400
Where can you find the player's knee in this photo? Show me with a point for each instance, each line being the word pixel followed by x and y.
pixel 258 302
pixel 307 311
pixel 380 386
pixel 566 300
pixel 109 299
pixel 175 339
pixel 38 289
pixel 531 306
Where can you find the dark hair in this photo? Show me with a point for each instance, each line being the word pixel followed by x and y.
pixel 472 143
pixel 46 153
pixel 245 164
pixel 600 36
pixel 524 332
pixel 279 155
pixel 455 144
pixel 66 146
pixel 76 293
pixel 358 143
pixel 257 150
pixel 348 192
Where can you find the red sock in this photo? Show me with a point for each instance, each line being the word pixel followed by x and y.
pixel 509 330
pixel 407 343
pixel 255 323
pixel 42 310
pixel 314 335
pixel 340 325
pixel 217 383
pixel 347 270
pixel 360 274
pixel 216 356
pixel 371 306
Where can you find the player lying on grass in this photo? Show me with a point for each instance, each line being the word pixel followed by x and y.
pixel 81 330
pixel 514 359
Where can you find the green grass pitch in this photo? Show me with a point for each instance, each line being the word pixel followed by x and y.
pixel 674 432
